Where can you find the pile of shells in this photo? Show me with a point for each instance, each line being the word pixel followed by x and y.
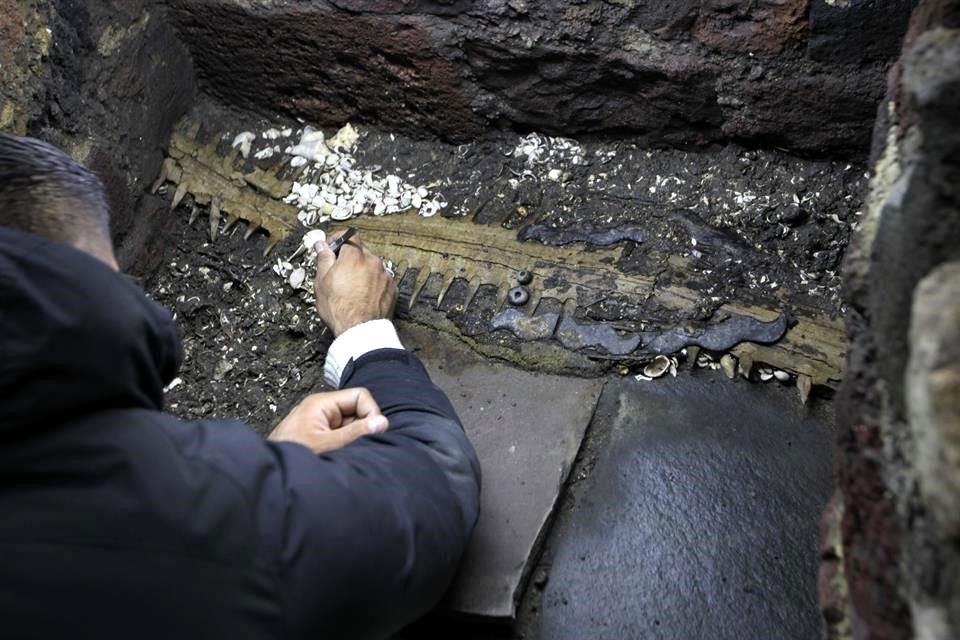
pixel 658 367
pixel 728 363
pixel 545 157
pixel 297 275
pixel 330 185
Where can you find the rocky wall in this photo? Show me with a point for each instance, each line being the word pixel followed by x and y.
pixel 105 80
pixel 799 74
pixel 895 518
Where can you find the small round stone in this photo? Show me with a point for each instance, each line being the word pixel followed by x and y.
pixel 518 296
pixel 524 277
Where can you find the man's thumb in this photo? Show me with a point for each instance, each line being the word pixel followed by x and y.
pixel 325 259
pixel 375 424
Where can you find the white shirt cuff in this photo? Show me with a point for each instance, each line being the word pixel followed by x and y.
pixel 355 342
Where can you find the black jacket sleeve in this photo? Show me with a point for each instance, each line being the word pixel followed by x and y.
pixel 374 531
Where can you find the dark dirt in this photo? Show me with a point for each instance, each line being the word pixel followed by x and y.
pixel 252 348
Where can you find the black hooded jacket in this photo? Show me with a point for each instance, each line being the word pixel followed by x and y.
pixel 118 520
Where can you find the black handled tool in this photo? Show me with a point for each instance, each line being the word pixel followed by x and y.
pixel 342 240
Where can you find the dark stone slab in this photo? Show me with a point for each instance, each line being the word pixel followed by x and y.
pixel 527 428
pixel 698 521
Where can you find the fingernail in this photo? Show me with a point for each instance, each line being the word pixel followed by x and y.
pixel 320 247
pixel 377 424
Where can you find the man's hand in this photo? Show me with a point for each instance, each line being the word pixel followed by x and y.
pixel 327 421
pixel 352 288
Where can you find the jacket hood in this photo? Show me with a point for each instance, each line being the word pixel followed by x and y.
pixel 75 336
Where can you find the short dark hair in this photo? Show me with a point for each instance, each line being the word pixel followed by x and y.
pixel 46 192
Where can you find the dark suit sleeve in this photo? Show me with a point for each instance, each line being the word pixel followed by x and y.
pixel 374 531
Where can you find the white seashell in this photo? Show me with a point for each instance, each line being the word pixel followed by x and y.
pixel 286 133
pixel 312 237
pixel 766 374
pixel 430 208
pixel 297 277
pixel 422 192
pixel 345 138
pixel 358 206
pixel 659 366
pixel 405 199
pixel 341 213
pixel 554 174
pixel 308 191
pixel 391 201
pixel 379 208
pixel 311 146
pixel 298 161
pixel 270 134
pixel 263 154
pixel 282 268
pixel 393 186
pixel 244 140
pixel 392 208
pixel 781 375
pixel 416 201
pixel 729 365
pixel 307 218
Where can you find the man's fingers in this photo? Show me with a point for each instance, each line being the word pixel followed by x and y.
pixel 346 434
pixel 325 259
pixel 372 424
pixel 355 402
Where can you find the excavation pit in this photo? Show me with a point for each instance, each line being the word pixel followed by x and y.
pixel 679 187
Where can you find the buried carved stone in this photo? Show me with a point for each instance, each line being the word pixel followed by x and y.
pixel 605 313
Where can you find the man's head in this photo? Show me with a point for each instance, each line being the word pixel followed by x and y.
pixel 44 191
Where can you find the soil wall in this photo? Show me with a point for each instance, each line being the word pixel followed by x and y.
pixel 805 75
pixel 894 524
pixel 104 80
